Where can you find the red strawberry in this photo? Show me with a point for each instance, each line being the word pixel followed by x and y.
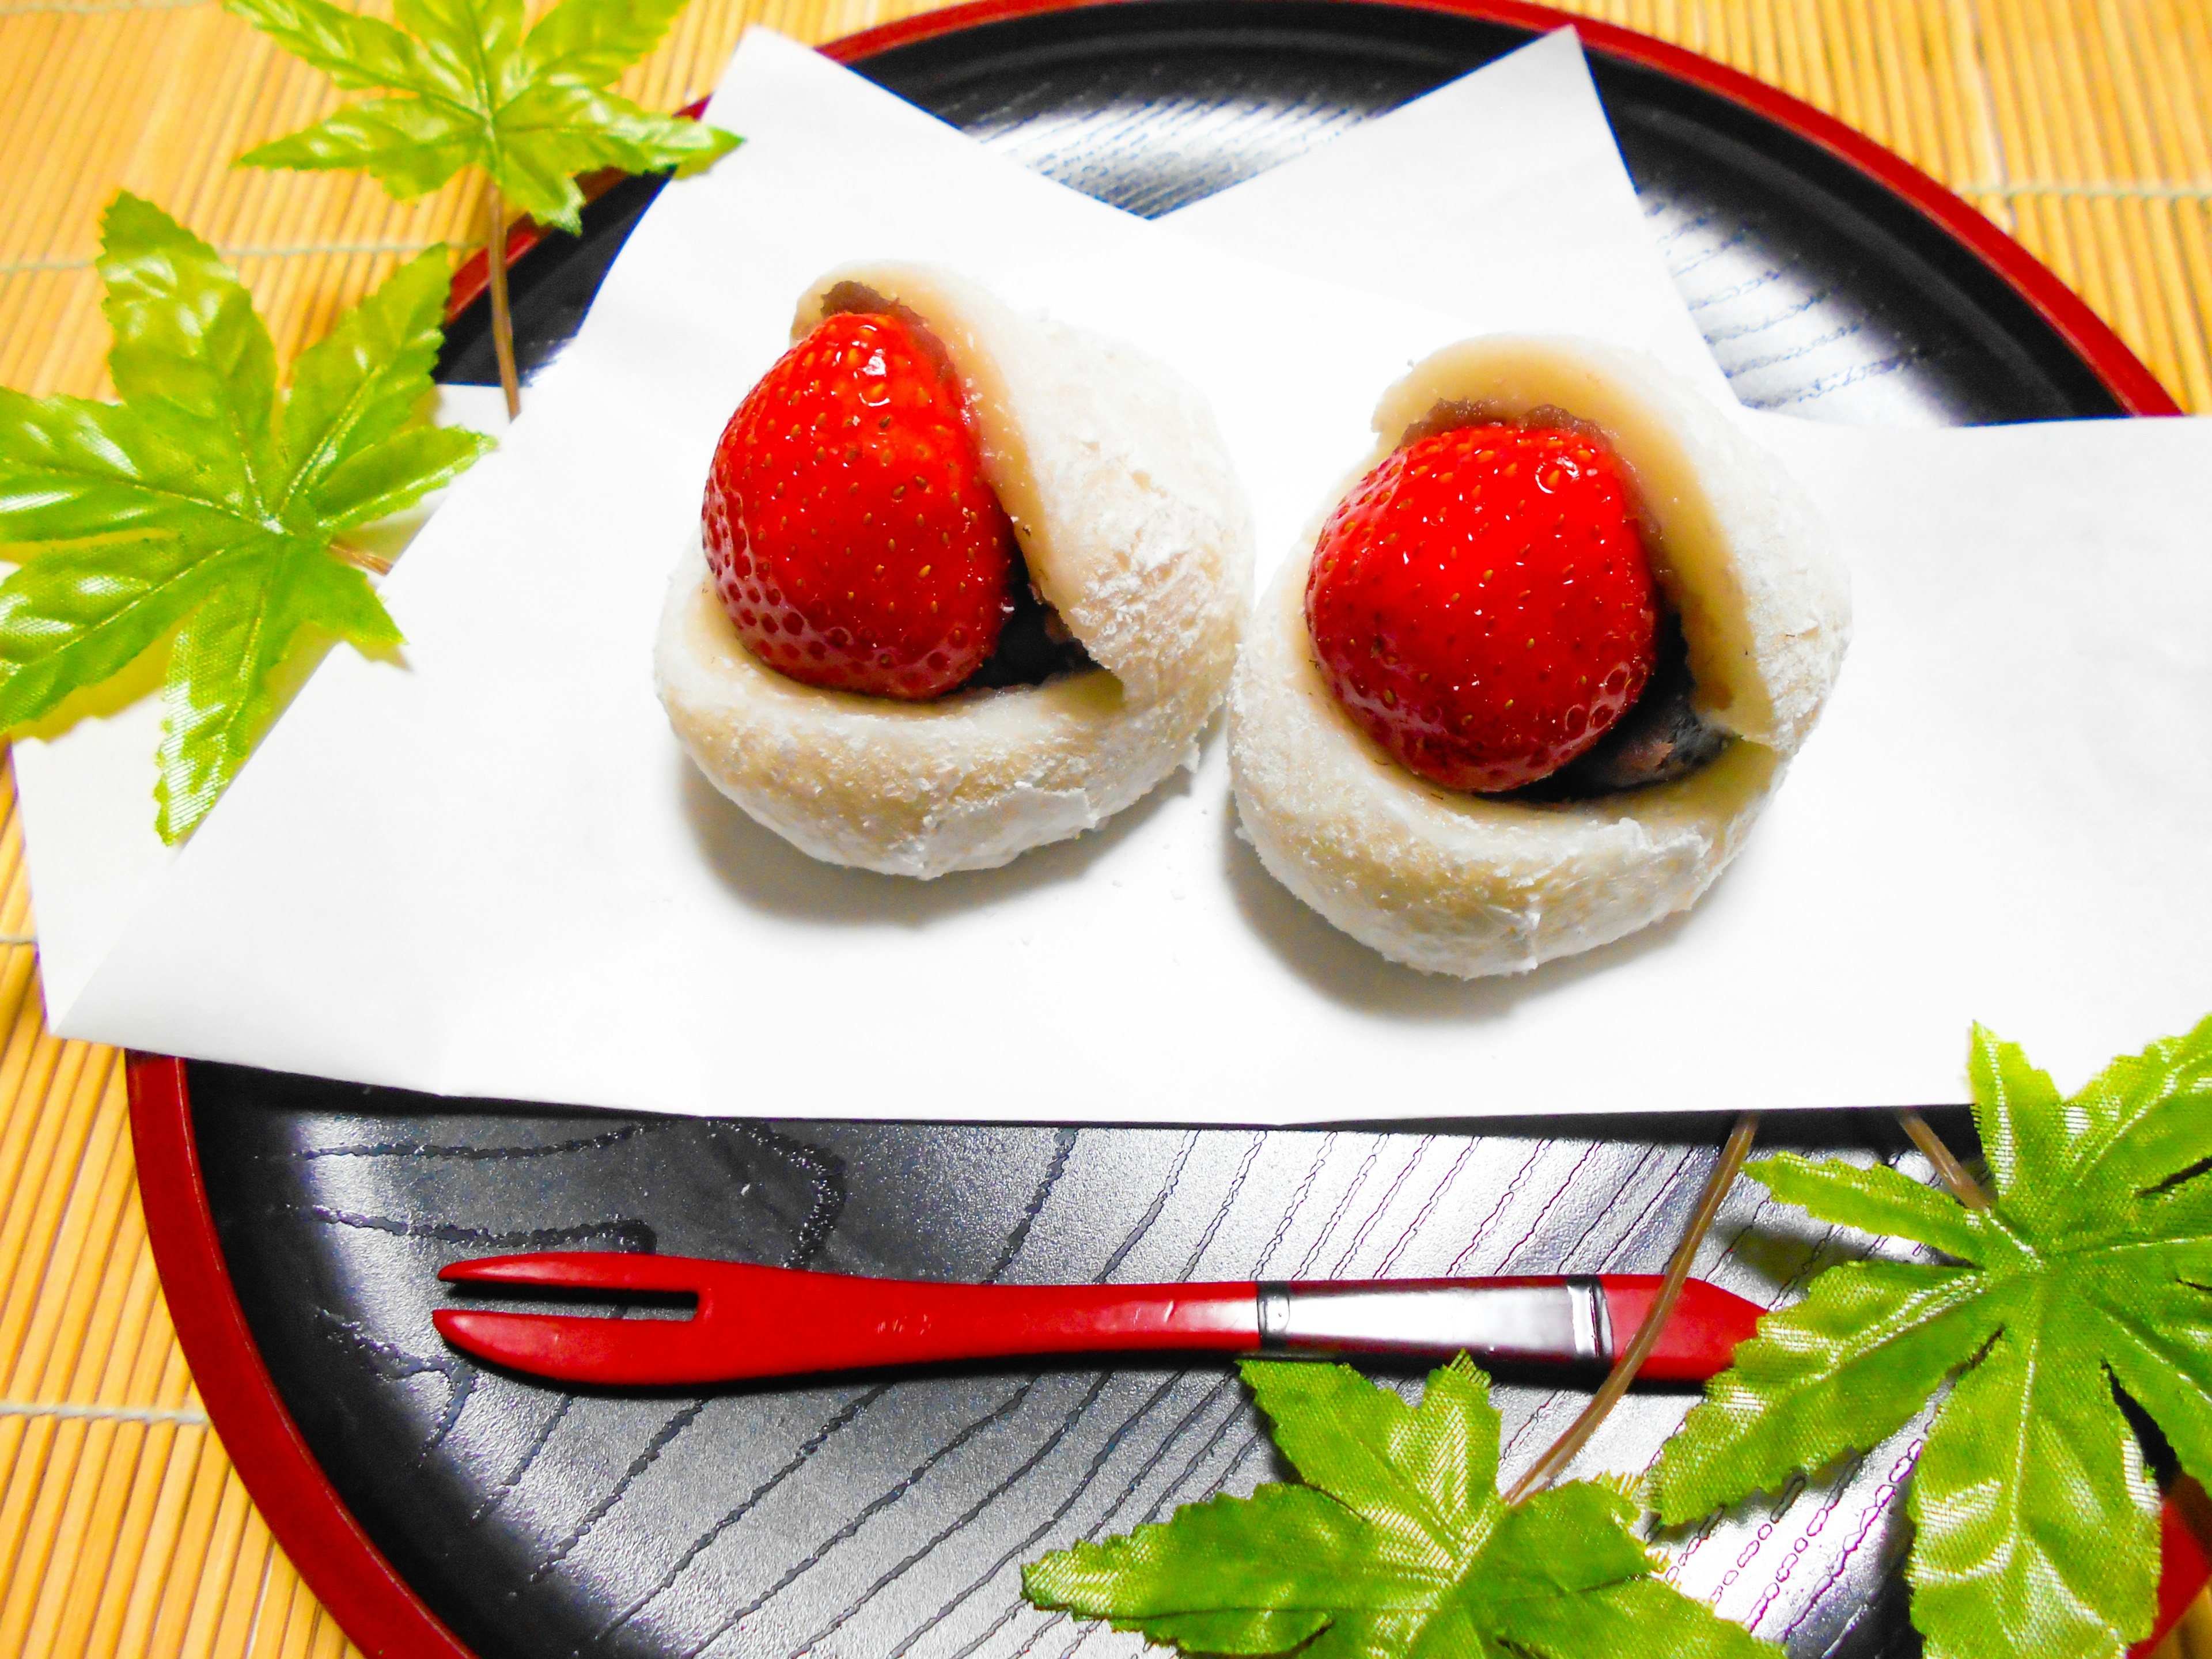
pixel 1482 603
pixel 848 525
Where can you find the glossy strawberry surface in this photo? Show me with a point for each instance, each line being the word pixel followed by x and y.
pixel 1482 603
pixel 848 525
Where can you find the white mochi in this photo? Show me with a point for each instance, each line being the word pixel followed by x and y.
pixel 1134 529
pixel 1466 884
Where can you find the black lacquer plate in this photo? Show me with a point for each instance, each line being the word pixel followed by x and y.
pixel 883 1516
pixel 875 1518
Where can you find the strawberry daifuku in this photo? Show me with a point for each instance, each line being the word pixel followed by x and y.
pixel 856 560
pixel 1548 530
pixel 848 525
pixel 1482 603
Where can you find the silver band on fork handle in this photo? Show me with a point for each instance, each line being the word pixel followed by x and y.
pixel 1565 1322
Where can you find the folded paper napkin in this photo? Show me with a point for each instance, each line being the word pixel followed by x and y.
pixel 490 872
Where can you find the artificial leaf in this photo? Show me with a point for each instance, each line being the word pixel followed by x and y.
pixel 463 85
pixel 350 425
pixel 1398 1546
pixel 2036 1523
pixel 204 505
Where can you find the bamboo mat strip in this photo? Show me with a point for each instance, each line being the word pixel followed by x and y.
pixel 2078 126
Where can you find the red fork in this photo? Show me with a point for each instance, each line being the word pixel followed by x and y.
pixel 754 1322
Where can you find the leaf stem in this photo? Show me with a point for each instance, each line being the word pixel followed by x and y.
pixel 1546 1468
pixel 1963 1188
pixel 503 324
pixel 361 559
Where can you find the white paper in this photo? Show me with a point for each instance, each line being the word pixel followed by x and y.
pixel 1499 195
pixel 494 872
pixel 2002 816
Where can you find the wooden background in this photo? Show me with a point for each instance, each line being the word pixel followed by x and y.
pixel 2078 126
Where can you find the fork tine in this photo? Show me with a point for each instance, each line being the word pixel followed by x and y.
pixel 606 1352
pixel 585 1270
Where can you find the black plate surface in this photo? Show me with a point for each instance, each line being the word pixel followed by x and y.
pixel 875 1518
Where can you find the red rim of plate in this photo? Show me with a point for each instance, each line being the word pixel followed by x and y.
pixel 372 1602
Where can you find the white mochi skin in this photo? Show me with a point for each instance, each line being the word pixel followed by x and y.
pixel 1471 885
pixel 1134 529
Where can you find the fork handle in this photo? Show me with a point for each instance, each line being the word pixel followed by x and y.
pixel 756 1321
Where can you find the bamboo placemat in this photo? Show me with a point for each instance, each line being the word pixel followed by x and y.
pixel 2080 126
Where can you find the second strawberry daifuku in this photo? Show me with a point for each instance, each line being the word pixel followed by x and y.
pixel 967 581
pixel 1548 657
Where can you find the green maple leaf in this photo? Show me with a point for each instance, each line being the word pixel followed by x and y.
pixel 463 85
pixel 1399 1547
pixel 203 506
pixel 2037 1524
